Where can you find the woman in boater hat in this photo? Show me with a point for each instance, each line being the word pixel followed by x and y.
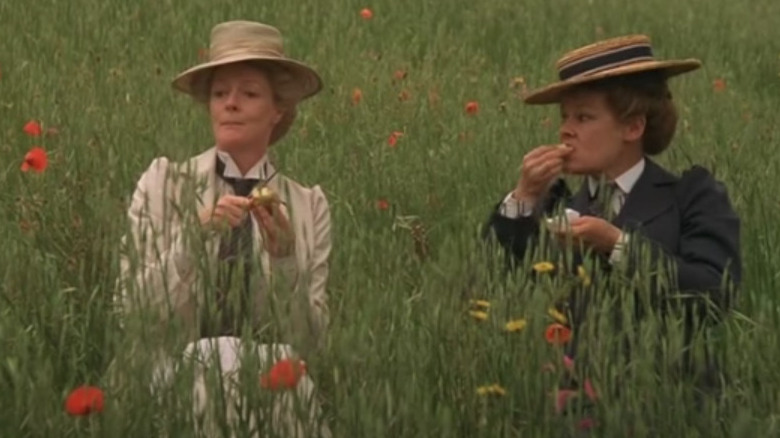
pixel 629 212
pixel 227 249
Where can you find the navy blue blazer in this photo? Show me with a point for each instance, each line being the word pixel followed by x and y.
pixel 687 222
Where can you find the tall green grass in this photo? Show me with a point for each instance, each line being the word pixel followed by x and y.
pixel 403 357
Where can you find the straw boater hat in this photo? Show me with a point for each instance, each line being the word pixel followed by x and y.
pixel 236 41
pixel 605 59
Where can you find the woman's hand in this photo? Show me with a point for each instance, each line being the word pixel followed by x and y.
pixel 591 232
pixel 278 233
pixel 540 167
pixel 229 211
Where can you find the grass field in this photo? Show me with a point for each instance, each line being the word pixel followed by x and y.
pixel 403 356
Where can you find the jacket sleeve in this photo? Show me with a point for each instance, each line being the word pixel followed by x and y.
pixel 156 269
pixel 707 262
pixel 318 297
pixel 515 236
pixel 308 318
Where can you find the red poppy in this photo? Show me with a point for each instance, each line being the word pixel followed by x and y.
pixel 472 108
pixel 285 374
pixel 382 204
pixel 465 136
pixel 33 128
pixel 586 423
pixel 366 14
pixel 562 398
pixel 568 363
pixel 393 139
pixel 357 96
pixel 719 85
pixel 399 75
pixel 35 159
pixel 26 226
pixel 403 96
pixel 589 391
pixel 557 334
pixel 84 400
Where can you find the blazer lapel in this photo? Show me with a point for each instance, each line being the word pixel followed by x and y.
pixel 652 195
pixel 207 191
pixel 192 183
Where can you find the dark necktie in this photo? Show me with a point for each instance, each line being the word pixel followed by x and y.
pixel 600 204
pixel 232 248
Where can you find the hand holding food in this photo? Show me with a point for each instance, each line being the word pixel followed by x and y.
pixel 540 167
pixel 265 197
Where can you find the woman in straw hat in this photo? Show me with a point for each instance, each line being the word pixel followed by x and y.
pixel 216 256
pixel 629 212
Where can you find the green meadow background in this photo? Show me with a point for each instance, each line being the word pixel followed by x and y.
pixel 403 357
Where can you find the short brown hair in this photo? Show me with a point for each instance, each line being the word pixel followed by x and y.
pixel 641 94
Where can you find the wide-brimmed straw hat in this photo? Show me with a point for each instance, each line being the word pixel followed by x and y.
pixel 239 41
pixel 604 59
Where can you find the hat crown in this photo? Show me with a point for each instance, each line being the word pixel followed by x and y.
pixel 245 37
pixel 603 55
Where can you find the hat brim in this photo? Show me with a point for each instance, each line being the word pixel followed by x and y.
pixel 309 81
pixel 552 93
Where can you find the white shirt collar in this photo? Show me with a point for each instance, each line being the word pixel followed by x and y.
pixel 261 170
pixel 625 182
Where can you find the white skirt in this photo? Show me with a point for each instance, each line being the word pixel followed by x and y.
pixel 295 410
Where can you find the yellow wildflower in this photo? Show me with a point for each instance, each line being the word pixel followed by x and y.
pixel 515 325
pixel 482 304
pixel 583 274
pixel 478 315
pixel 543 267
pixel 518 82
pixel 557 316
pixel 493 389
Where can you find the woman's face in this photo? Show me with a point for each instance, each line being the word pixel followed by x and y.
pixel 242 107
pixel 600 142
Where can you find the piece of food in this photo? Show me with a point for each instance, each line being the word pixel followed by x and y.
pixel 562 223
pixel 264 196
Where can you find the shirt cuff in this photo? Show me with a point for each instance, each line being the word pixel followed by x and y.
pixel 514 209
pixel 617 252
